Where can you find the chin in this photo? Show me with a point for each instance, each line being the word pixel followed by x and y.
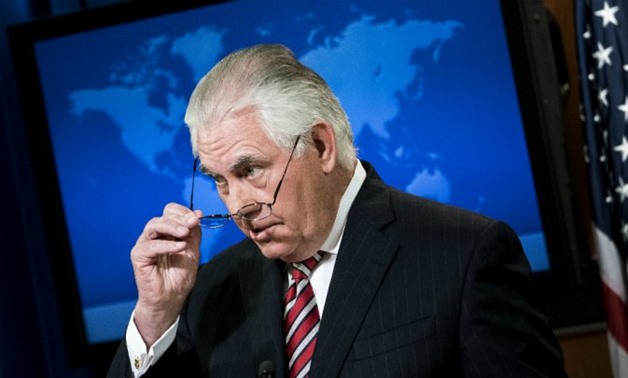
pixel 272 245
pixel 283 251
pixel 272 253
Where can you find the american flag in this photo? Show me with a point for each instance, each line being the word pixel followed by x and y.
pixel 602 27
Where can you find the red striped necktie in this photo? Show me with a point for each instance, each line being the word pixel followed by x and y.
pixel 301 318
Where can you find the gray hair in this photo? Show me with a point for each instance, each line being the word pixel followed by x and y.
pixel 288 97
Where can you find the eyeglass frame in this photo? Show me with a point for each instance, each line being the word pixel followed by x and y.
pixel 239 214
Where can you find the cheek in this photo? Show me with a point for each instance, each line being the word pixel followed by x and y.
pixel 304 205
pixel 312 212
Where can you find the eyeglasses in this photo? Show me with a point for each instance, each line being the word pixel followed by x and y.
pixel 253 211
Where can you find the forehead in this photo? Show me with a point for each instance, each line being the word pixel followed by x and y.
pixel 234 138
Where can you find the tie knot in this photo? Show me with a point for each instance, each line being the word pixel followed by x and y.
pixel 303 269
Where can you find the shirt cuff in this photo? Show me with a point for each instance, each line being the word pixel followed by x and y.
pixel 140 358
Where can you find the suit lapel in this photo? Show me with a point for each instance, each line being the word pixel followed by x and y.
pixel 263 296
pixel 365 253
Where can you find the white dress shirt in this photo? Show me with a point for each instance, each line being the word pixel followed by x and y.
pixel 141 359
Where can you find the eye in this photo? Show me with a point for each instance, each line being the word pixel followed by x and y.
pixel 252 172
pixel 218 180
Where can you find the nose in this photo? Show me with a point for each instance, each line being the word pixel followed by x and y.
pixel 239 195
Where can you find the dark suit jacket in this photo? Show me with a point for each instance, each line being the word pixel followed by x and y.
pixel 419 289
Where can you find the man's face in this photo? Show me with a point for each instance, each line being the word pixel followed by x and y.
pixel 247 167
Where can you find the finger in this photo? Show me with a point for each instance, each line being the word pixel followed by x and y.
pixel 187 216
pixel 153 248
pixel 173 208
pixel 165 228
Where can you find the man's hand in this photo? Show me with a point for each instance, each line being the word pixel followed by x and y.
pixel 165 260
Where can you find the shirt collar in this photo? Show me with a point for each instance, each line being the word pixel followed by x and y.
pixel 332 244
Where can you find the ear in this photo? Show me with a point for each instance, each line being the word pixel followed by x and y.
pixel 324 140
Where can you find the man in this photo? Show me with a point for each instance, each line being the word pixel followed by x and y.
pixel 400 286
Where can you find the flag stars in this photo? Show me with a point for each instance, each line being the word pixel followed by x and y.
pixel 603 55
pixel 624 230
pixel 624 108
pixel 608 14
pixel 603 96
pixel 623 148
pixel 622 190
pixel 609 198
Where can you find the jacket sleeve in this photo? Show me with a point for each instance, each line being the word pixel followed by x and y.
pixel 179 361
pixel 120 365
pixel 503 327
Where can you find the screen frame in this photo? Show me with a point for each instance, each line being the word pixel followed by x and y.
pixel 570 289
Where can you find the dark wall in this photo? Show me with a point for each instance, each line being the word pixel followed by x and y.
pixel 20 332
pixel 20 329
pixel 31 337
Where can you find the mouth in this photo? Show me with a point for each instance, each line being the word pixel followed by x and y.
pixel 261 233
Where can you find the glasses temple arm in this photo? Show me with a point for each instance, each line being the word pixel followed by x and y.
pixel 285 170
pixel 193 176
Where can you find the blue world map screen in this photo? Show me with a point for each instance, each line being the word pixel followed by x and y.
pixel 428 88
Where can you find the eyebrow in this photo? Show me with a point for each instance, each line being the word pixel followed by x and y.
pixel 242 162
pixel 204 169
